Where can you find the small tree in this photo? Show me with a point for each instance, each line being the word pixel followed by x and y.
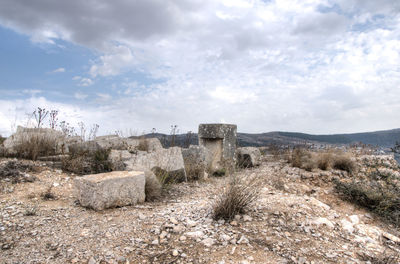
pixel 174 131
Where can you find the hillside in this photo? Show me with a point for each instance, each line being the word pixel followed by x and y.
pixel 385 138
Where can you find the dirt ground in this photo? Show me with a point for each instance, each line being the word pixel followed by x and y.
pixel 297 219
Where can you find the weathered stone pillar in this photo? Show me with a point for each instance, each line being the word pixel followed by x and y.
pixel 220 140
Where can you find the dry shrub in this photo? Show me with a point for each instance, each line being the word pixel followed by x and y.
pixel 382 199
pixel 153 187
pixel 143 144
pixel 84 160
pixel 302 158
pixel 324 160
pixel 239 195
pixel 344 162
pixel 34 146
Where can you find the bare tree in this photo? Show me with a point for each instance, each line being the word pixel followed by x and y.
pixel 40 115
pixel 53 119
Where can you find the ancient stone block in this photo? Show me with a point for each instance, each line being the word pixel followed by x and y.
pixel 196 159
pixel 169 161
pixel 220 140
pixel 106 190
pixel 248 157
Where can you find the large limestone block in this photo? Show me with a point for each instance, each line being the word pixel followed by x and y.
pixel 107 190
pixel 130 144
pixel 164 160
pixel 248 157
pixel 197 160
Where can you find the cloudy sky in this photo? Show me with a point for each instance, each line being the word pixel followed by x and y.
pixel 316 66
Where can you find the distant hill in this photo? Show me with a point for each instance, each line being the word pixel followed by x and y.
pixel 385 138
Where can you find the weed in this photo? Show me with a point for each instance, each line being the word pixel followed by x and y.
pixel 236 198
pixel 48 194
pixel 31 210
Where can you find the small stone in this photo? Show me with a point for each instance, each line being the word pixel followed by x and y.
pixel 247 218
pixel 233 223
pixel 92 261
pixel 354 219
pixel 182 238
pixel 174 221
pixel 208 242
pixel 155 242
pixel 175 253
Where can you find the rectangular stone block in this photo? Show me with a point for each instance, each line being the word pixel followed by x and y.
pixel 112 189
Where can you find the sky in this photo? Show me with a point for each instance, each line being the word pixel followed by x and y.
pixel 313 66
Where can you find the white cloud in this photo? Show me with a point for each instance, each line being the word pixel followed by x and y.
pixel 82 81
pixel 59 70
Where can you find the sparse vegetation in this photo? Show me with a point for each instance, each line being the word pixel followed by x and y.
pixel 33 146
pixel 48 194
pixel 324 160
pixel 377 189
pixel 87 160
pixel 344 162
pixel 2 139
pixel 236 198
pixel 16 172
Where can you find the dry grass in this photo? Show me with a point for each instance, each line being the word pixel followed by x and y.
pixel 35 146
pixel 153 187
pixel 324 160
pixel 239 195
pixel 344 162
pixel 83 161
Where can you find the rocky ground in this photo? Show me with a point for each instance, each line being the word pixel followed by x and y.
pixel 298 219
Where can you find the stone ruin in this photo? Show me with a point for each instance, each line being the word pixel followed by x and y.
pixel 220 140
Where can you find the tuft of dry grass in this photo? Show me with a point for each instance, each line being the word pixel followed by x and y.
pixel 153 187
pixel 34 146
pixel 239 195
pixel 48 194
pixel 324 161
pixel 344 162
